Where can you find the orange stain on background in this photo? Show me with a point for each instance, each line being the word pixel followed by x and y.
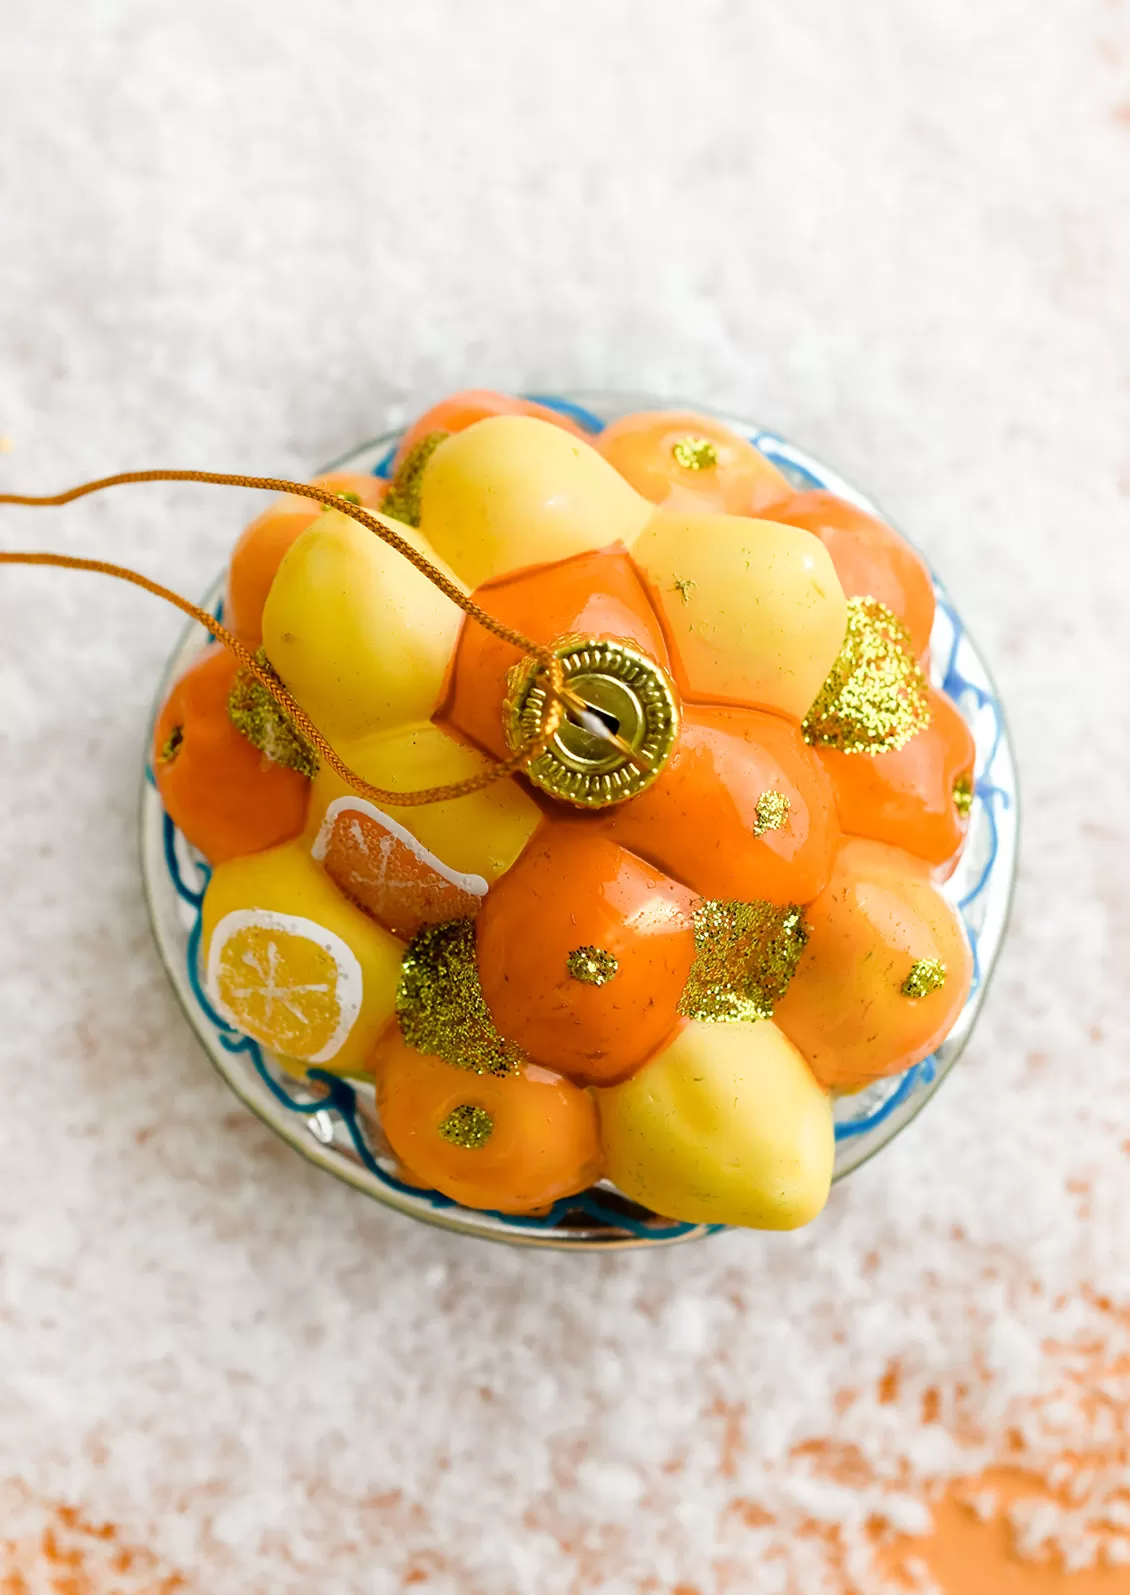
pixel 971 1547
pixel 968 1556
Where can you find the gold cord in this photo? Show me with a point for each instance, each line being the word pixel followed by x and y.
pixel 542 652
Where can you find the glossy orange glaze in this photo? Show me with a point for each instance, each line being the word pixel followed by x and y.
pixel 461 410
pixel 698 822
pixel 227 797
pixel 574 888
pixel 544 1143
pixel 262 547
pixel 845 1009
pixel 642 448
pixel 596 595
pixel 871 559
pixel 906 797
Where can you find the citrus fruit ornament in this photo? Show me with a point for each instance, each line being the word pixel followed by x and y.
pixel 225 791
pixel 700 904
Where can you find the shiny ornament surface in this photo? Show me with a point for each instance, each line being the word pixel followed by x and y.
pixel 331 1120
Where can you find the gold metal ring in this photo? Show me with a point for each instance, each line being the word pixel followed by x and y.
pixel 619 727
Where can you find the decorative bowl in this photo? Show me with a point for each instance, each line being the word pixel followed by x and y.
pixel 332 1122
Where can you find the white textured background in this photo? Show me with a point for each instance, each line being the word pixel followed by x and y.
pixel 245 234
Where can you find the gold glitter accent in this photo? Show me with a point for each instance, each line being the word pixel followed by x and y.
pixel 683 586
pixel 926 975
pixel 695 454
pixel 592 966
pixel 618 688
pixel 745 956
pixel 468 1126
pixel 441 1004
pixel 402 501
pixel 173 744
pixel 256 715
pixel 876 697
pixel 771 813
pixel 963 795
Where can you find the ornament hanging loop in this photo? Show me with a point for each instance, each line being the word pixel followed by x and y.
pixel 540 655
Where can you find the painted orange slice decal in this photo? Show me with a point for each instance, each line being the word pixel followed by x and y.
pixel 387 872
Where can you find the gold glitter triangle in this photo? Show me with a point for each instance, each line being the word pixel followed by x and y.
pixel 441 1005
pixel 876 697
pixel 745 956
pixel 256 715
pixel 402 501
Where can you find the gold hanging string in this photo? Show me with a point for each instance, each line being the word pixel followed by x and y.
pixel 329 500
pixel 558 697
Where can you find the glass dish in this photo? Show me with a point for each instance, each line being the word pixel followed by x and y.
pixel 332 1122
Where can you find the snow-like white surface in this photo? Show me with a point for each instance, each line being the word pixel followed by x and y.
pixel 245 235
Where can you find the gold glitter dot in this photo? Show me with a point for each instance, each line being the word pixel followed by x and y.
pixel 745 956
pixel 963 795
pixel 173 744
pixel 266 724
pixel 592 966
pixel 926 975
pixel 695 453
pixel 876 697
pixel 684 585
pixel 467 1126
pixel 772 813
pixel 441 1004
pixel 402 501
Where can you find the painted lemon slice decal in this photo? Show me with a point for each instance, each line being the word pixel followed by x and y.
pixel 289 983
pixel 389 873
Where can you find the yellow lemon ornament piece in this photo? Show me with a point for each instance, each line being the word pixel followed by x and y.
pixel 359 636
pixel 292 963
pixel 480 834
pixel 726 1126
pixel 513 491
pixel 753 610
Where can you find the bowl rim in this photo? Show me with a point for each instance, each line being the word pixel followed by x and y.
pixel 327 1149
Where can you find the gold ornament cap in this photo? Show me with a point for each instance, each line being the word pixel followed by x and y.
pixel 616 733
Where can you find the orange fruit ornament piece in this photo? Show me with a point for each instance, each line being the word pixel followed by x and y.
pixel 593 595
pixel 583 954
pixel 512 1143
pixel 915 797
pixel 226 796
pixel 871 559
pixel 460 410
pixel 261 547
pixel 679 458
pixel 742 810
pixel 390 874
pixel 885 972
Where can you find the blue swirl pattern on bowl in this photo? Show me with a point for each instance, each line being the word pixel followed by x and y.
pixel 325 1117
